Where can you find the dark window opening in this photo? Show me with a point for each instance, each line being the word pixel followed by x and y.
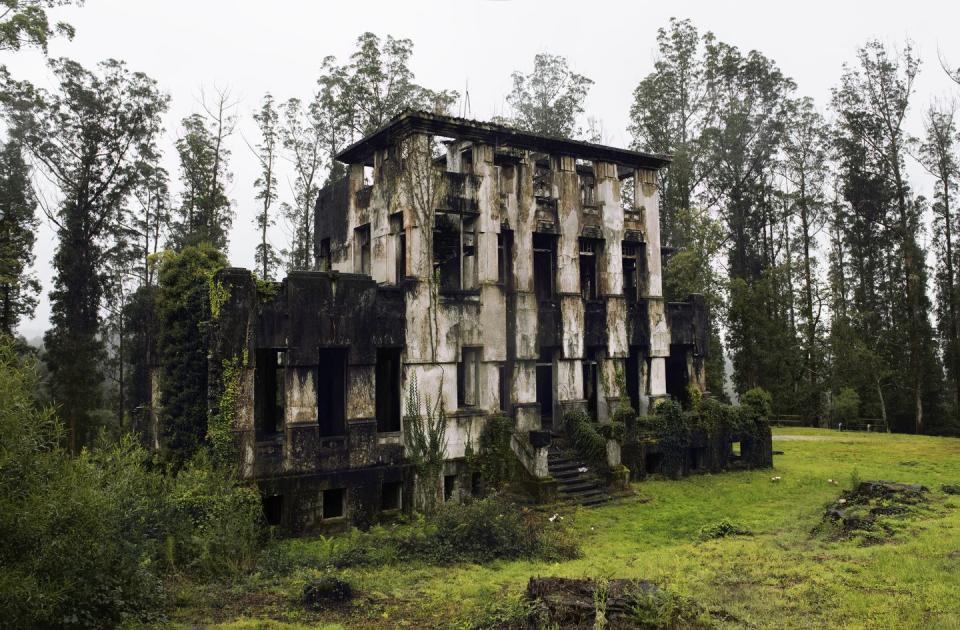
pixel 588 187
pixel 633 377
pixel 653 463
pixel 326 264
pixel 589 252
pixel 399 247
pixel 476 484
pixel 449 484
pixel 361 237
pixel 334 503
pixel 677 378
pixel 269 391
pixel 545 387
pixel 455 251
pixel 542 184
pixel 630 270
pixel 391 496
pixel 544 266
pixel 503 374
pixel 332 391
pixel 696 457
pixel 273 509
pixel 388 389
pixel 591 383
pixel 468 378
pixel 505 258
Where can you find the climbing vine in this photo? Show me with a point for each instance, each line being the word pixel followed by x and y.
pixel 494 459
pixel 220 427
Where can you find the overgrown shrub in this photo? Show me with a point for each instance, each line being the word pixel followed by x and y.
pixel 494 459
pixel 587 441
pixel 723 529
pixel 846 405
pixel 478 531
pixel 88 539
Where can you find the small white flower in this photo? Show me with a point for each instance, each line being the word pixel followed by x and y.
pixel 841 500
pixel 554 517
pixel 582 469
pixel 774 479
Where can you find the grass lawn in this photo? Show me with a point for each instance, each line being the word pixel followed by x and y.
pixel 782 577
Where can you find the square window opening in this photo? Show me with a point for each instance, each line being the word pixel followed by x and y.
pixel 653 463
pixel 589 253
pixel 334 503
pixel 544 266
pixel 391 496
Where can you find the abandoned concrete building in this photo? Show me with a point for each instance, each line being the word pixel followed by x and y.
pixel 499 270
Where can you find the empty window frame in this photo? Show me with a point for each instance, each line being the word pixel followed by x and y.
pixel 503 374
pixel 455 251
pixel 361 239
pixel 334 503
pixel 545 387
pixel 388 389
pixel 325 263
pixel 588 187
pixel 332 392
pixel 591 382
pixel 589 253
pixel 399 247
pixel 542 181
pixel 273 509
pixel 505 258
pixel 631 268
pixel 391 496
pixel 269 391
pixel 468 378
pixel 544 266
pixel 449 486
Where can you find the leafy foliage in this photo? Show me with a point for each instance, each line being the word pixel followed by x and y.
pixel 495 460
pixel 24 23
pixel 18 223
pixel 184 306
pixel 587 441
pixel 549 99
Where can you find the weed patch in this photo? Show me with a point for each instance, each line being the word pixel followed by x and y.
pixel 866 510
pixel 723 529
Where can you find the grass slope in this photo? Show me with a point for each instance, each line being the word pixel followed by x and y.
pixel 782 577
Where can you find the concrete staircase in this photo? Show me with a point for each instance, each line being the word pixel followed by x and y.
pixel 574 485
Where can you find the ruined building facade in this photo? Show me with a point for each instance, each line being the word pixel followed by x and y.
pixel 500 270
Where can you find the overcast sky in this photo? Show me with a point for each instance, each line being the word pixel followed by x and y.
pixel 253 47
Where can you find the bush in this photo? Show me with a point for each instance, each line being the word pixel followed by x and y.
pixel 587 441
pixel 325 592
pixel 723 529
pixel 758 402
pixel 478 531
pixel 846 405
pixel 87 540
pixel 495 460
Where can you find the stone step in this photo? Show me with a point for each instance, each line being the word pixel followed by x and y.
pixel 567 477
pixel 582 487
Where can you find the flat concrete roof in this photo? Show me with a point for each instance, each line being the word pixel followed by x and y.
pixel 408 122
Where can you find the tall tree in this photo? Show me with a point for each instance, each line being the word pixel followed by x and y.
pixel 804 168
pixel 88 137
pixel 268 122
pixel 871 102
pixel 205 214
pixel 668 115
pixel 939 156
pixel 24 23
pixel 18 223
pixel 303 132
pixel 549 99
pixel 360 96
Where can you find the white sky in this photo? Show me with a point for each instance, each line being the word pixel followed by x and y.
pixel 252 47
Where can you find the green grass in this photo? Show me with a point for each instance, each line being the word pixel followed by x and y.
pixel 781 577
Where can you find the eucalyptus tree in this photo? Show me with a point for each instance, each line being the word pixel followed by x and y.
pixel 25 24
pixel 549 99
pixel 268 122
pixel 18 223
pixel 87 136
pixel 304 130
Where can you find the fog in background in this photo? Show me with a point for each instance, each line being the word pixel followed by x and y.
pixel 250 48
